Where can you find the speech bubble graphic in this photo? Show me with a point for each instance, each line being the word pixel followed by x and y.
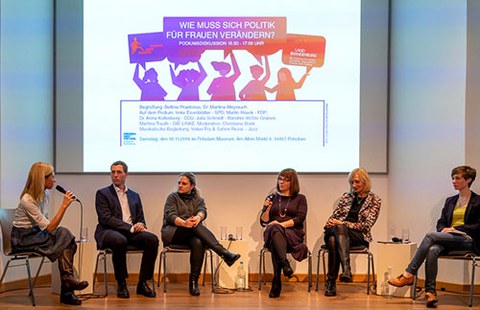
pixel 304 50
pixel 146 47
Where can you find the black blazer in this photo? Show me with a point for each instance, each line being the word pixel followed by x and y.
pixel 109 212
pixel 471 224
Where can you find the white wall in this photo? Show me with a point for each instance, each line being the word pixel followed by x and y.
pixel 427 114
pixel 26 97
pixel 428 132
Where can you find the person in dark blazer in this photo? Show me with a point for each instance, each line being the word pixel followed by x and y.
pixel 120 223
pixel 457 229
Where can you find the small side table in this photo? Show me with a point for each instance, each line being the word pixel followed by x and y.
pixel 397 256
pixel 226 275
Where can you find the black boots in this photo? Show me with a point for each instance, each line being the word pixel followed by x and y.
pixel 193 285
pixel 69 283
pixel 330 288
pixel 343 243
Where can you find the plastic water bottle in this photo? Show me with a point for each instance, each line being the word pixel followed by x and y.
pixel 386 290
pixel 240 282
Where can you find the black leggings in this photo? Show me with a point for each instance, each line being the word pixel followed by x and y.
pixel 196 239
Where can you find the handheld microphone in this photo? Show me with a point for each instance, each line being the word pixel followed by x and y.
pixel 63 191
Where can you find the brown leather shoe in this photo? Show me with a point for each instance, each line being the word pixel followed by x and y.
pixel 431 300
pixel 401 281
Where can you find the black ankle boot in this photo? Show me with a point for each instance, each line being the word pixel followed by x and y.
pixel 330 288
pixel 287 269
pixel 69 298
pixel 193 286
pixel 230 258
pixel 276 288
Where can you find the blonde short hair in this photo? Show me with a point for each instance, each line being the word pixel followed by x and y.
pixel 363 175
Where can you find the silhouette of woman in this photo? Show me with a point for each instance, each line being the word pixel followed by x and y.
pixel 255 89
pixel 151 90
pixel 222 88
pixel 286 85
pixel 188 80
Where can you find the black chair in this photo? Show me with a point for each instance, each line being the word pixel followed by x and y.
pixel 177 248
pixel 361 249
pixel 458 255
pixel 6 222
pixel 102 255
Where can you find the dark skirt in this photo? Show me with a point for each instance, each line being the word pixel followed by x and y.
pixel 47 243
pixel 294 237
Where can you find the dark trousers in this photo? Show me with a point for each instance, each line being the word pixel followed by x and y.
pixel 197 239
pixel 118 242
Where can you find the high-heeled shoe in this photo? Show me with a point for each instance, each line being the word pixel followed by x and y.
pixel 287 269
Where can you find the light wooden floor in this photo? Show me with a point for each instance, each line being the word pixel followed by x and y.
pixel 294 296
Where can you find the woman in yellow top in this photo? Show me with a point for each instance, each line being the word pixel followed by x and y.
pixel 457 229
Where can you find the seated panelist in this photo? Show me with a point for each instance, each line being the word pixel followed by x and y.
pixel 33 231
pixel 284 214
pixel 458 228
pixel 121 223
pixel 350 225
pixel 184 213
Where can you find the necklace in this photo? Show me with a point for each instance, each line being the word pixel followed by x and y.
pixel 280 207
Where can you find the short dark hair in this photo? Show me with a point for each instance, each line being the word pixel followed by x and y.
pixel 467 172
pixel 119 162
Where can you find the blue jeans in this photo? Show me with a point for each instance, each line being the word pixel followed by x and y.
pixel 432 245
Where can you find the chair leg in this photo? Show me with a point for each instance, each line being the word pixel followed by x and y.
pixel 164 272
pixel 95 273
pixel 27 262
pixel 204 268
pixel 369 259
pixel 374 277
pixel 260 270
pixel 318 270
pixel 38 271
pixel 309 271
pixel 105 281
pixel 5 271
pixel 414 287
pixel 159 269
pixel 214 280
pixel 472 283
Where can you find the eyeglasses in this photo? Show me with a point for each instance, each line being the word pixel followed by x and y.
pixel 282 179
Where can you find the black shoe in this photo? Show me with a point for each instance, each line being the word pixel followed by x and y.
pixel 193 288
pixel 346 277
pixel 287 269
pixel 145 290
pixel 70 298
pixel 330 289
pixel 230 258
pixel 122 290
pixel 276 289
